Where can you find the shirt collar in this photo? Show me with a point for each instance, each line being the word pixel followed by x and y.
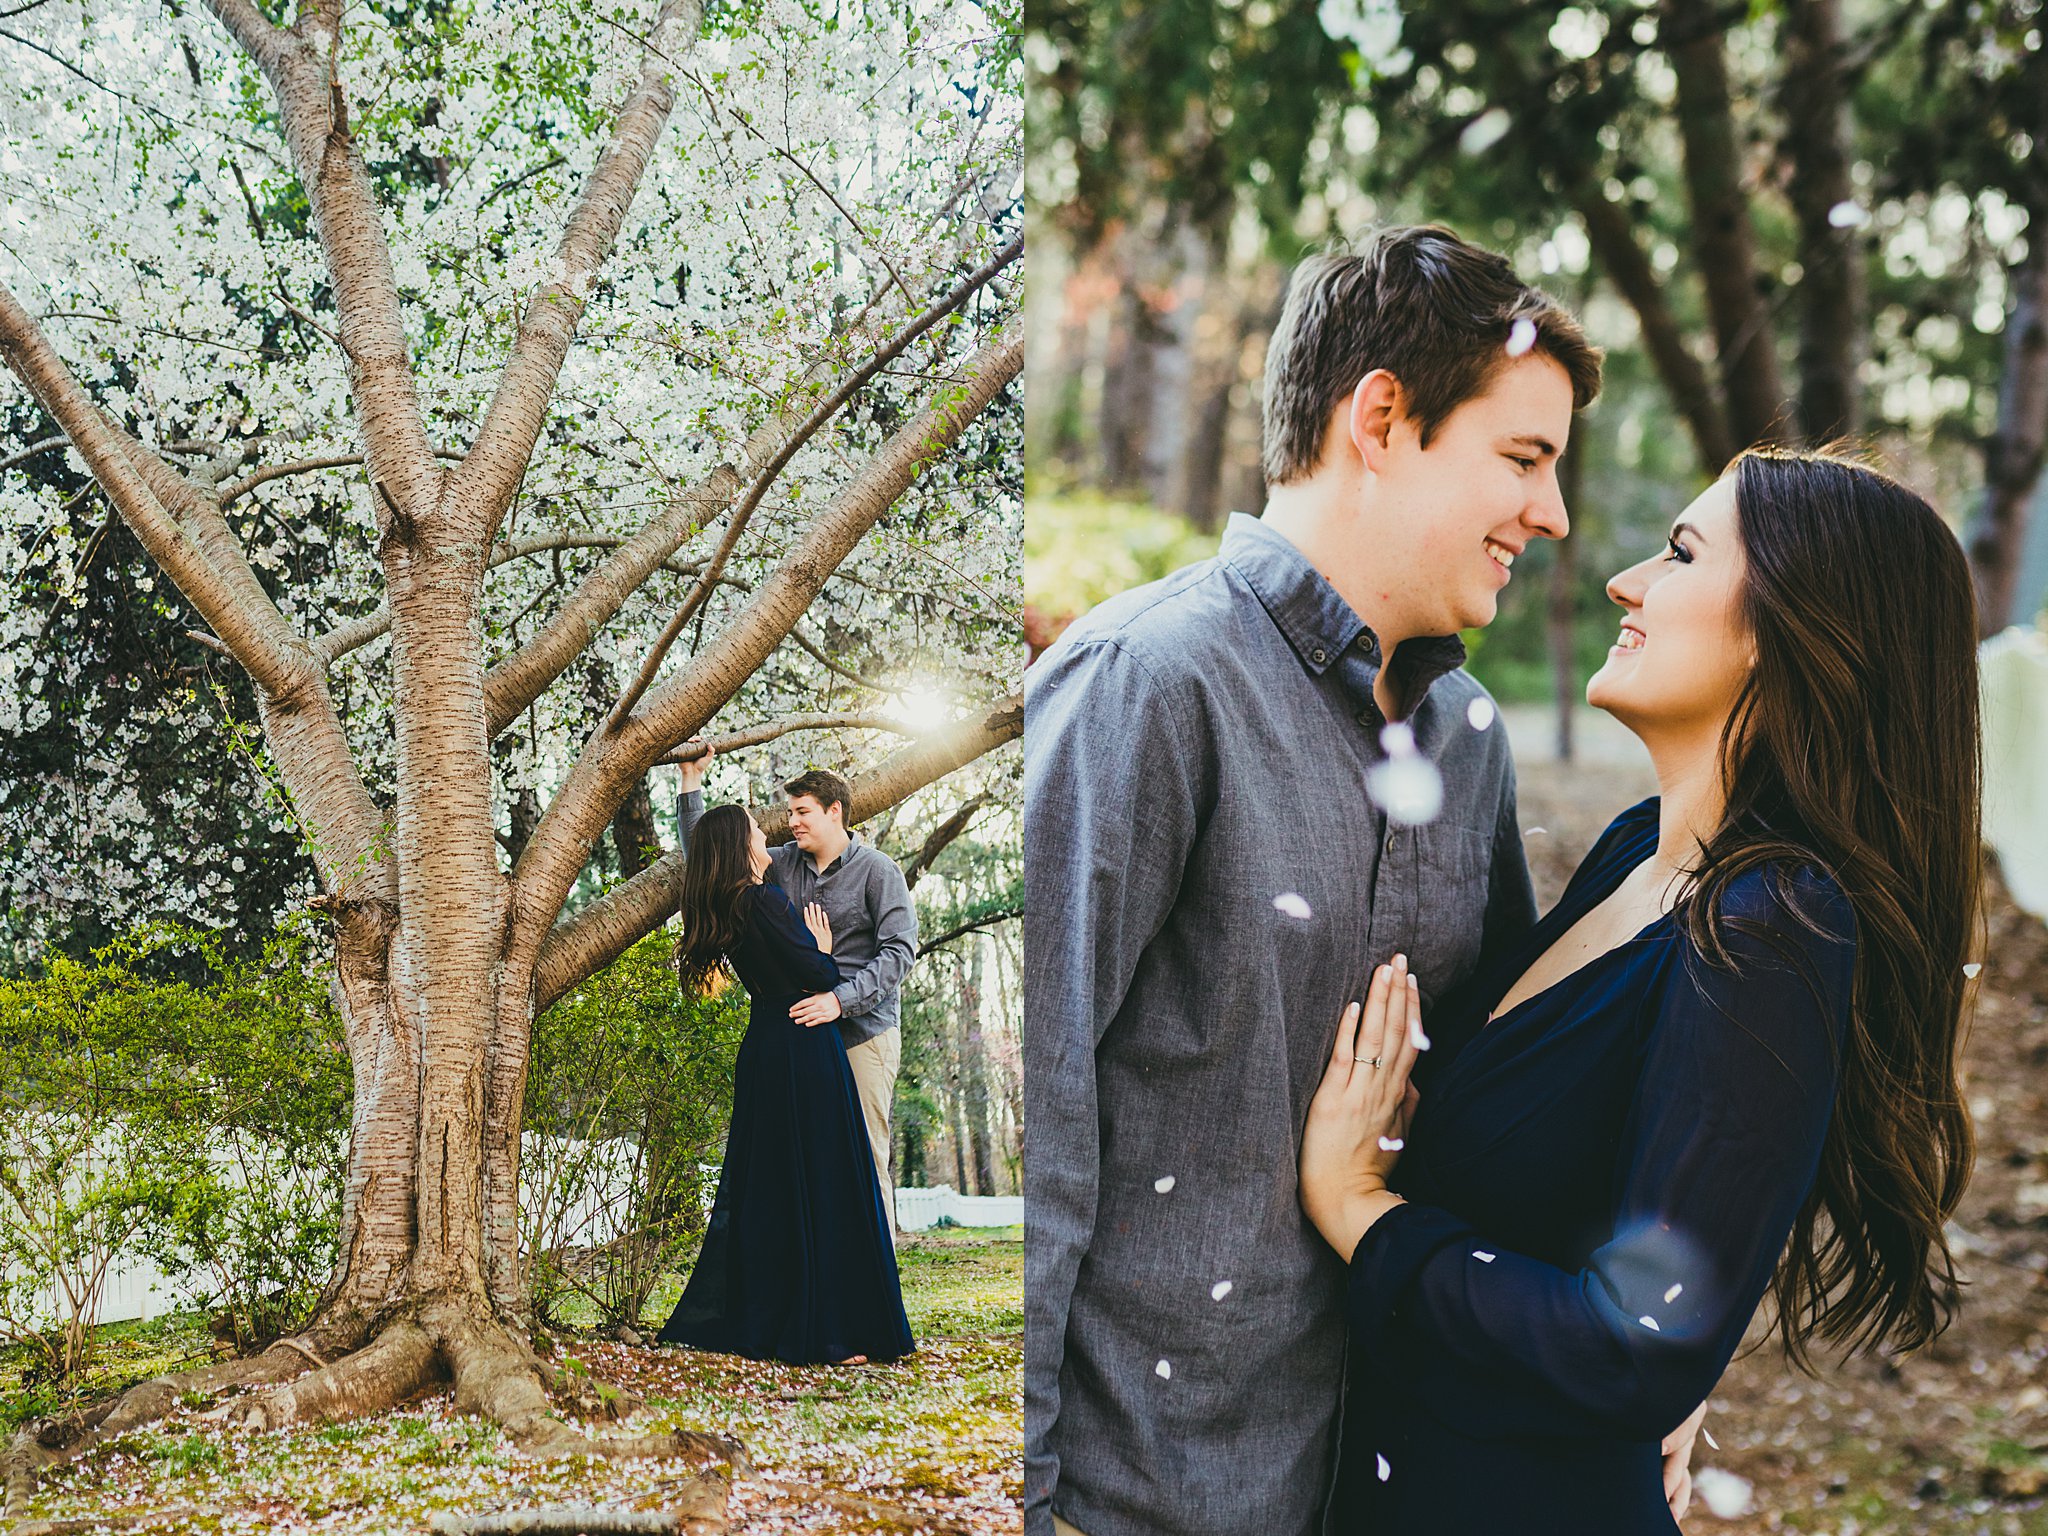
pixel 1318 623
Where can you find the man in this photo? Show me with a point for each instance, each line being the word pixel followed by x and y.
pixel 874 933
pixel 1211 882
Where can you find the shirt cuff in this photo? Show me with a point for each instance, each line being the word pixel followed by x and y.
pixel 1389 1257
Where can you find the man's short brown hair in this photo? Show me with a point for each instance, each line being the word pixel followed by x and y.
pixel 825 787
pixel 1434 311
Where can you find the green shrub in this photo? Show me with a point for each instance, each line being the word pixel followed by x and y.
pixel 628 1096
pixel 1080 549
pixel 167 1099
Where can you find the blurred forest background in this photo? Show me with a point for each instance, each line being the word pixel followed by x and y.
pixel 1785 221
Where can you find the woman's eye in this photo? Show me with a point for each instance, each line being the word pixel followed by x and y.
pixel 1678 552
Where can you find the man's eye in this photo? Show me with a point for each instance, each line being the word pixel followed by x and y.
pixel 1525 465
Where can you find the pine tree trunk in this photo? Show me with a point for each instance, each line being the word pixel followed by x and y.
pixel 1724 241
pixel 1830 292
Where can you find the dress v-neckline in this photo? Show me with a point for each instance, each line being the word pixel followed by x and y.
pixel 1493 1018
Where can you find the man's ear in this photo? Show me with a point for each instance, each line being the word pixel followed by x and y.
pixel 1376 405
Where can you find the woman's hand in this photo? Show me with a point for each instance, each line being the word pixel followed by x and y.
pixel 1359 1116
pixel 1678 1463
pixel 820 926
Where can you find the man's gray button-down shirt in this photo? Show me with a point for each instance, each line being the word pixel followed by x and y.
pixel 874 924
pixel 1208 884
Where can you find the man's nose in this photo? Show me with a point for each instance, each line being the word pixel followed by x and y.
pixel 1546 514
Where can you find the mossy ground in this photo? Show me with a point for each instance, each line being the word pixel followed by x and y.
pixel 933 1442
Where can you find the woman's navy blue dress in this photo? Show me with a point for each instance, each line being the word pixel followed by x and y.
pixel 797 1262
pixel 1600 1183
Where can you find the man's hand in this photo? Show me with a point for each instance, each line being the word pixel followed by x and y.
pixel 1678 1462
pixel 693 771
pixel 818 1008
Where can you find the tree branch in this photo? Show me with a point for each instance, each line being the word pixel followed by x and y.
pixel 521 678
pixel 772 730
pixel 915 866
pixel 609 926
pixel 33 449
pixel 260 643
pixel 371 328
pixel 960 931
pixel 303 467
pixel 504 444
pixel 826 409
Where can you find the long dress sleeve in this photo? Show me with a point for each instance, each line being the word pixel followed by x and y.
pixel 1721 1145
pixel 808 968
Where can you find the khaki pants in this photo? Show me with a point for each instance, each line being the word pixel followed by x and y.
pixel 874 1064
pixel 1061 1528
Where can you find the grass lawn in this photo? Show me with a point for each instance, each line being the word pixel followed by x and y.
pixel 932 1443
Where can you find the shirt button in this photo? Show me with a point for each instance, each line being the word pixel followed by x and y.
pixel 1319 655
pixel 1390 840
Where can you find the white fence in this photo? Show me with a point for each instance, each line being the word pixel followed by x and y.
pixel 918 1210
pixel 137 1291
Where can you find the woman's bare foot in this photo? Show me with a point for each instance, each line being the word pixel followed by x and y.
pixel 852 1360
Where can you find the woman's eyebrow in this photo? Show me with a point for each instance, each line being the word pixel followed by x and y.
pixel 1684 527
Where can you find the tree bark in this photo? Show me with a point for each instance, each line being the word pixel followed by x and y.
pixel 974 1070
pixel 633 836
pixel 2013 456
pixel 1830 294
pixel 1724 242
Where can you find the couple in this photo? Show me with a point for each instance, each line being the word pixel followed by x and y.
pixel 799 1257
pixel 1360 1200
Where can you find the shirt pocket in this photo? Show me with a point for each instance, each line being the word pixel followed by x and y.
pixel 1451 869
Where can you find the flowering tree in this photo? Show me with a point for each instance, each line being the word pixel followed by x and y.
pixel 496 508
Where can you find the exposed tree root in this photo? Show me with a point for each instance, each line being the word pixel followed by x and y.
pixel 495 1371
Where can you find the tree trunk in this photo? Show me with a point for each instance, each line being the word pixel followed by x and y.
pixel 1621 259
pixel 974 1069
pixel 1724 243
pixel 1830 292
pixel 2013 456
pixel 633 836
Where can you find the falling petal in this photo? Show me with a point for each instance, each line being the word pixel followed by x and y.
pixel 1386 1471
pixel 1398 738
pixel 1972 969
pixel 1482 1255
pixel 1408 788
pixel 1672 1294
pixel 1650 1323
pixel 1290 904
pixel 1163 1184
pixel 1485 131
pixel 1480 713
pixel 1415 1034
pixel 1710 1437
pixel 1846 215
pixel 1219 1290
pixel 1722 1492
pixel 1521 337
pixel 1537 832
pixel 1163 1370
pixel 1391 1143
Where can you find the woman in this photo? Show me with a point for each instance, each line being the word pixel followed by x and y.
pixel 797 1262
pixel 1739 1026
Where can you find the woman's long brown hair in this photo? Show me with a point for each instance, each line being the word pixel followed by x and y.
pixel 1854 745
pixel 716 877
